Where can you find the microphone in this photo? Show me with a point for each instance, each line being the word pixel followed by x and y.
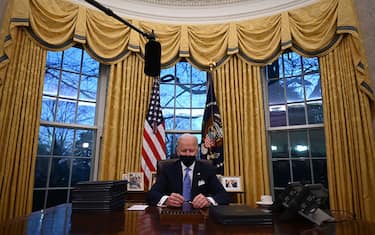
pixel 152 58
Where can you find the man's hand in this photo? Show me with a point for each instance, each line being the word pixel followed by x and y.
pixel 200 201
pixel 175 200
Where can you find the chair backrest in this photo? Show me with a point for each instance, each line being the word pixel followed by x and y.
pixel 161 163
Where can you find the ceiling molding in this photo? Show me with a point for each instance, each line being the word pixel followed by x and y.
pixel 198 11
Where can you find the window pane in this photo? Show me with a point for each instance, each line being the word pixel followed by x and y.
pixel 167 95
pixel 167 73
pixel 86 113
pixel 168 115
pixel 310 64
pixel 199 100
pixel 183 72
pixel 183 119
pixel 89 65
pixel 317 142
pixel 171 141
pixel 320 171
pixel 72 59
pixel 279 144
pixel 296 114
pixel 41 170
pixel 198 76
pixel 277 115
pixel 298 142
pixel 88 88
pixel 294 90
pixel 66 111
pixel 197 119
pixel 45 140
pixel 312 86
pixel 63 142
pixel 281 173
pixel 301 171
pixel 48 108
pixel 56 197
pixel 315 112
pixel 51 82
pixel 183 96
pixel 65 153
pixel 59 172
pixel 276 92
pixel 69 85
pixel 292 64
pixel 81 170
pixel 38 199
pixel 54 59
pixel 84 145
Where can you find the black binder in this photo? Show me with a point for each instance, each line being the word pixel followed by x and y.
pixel 240 214
pixel 99 196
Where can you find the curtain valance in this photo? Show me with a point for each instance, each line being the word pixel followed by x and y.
pixel 310 31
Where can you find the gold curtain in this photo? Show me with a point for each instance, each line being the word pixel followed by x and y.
pixel 349 137
pixel 127 101
pixel 314 30
pixel 238 87
pixel 20 106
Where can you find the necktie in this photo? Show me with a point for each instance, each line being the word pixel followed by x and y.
pixel 186 191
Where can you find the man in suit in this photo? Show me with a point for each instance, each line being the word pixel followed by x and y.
pixel 201 189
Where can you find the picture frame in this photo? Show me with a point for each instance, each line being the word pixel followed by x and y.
pixel 135 181
pixel 153 179
pixel 232 183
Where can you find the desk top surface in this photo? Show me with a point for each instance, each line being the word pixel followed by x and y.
pixel 61 220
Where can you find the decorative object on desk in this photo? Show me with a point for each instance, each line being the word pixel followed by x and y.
pixel 219 177
pixel 232 183
pixel 135 181
pixel 265 202
pixel 171 215
pixel 99 196
pixel 153 179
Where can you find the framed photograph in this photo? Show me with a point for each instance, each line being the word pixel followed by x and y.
pixel 135 181
pixel 232 183
pixel 153 179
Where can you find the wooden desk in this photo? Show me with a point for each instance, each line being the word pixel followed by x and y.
pixel 60 220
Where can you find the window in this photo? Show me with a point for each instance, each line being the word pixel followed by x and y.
pixel 183 98
pixel 295 122
pixel 68 128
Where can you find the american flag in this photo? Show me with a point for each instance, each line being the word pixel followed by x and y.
pixel 153 144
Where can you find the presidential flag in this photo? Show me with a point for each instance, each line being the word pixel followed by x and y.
pixel 212 130
pixel 153 144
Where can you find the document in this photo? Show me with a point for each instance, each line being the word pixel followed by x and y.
pixel 137 207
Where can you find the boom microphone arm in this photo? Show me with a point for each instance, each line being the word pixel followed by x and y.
pixel 149 36
pixel 152 47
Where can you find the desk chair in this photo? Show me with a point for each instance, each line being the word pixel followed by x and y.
pixel 162 163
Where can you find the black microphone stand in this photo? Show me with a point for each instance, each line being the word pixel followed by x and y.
pixel 149 36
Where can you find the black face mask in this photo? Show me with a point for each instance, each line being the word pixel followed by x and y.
pixel 187 160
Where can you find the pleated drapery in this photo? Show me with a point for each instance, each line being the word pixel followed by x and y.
pixel 238 86
pixel 127 102
pixel 20 106
pixel 349 137
pixel 237 48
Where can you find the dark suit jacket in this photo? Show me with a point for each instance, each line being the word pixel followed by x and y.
pixel 169 180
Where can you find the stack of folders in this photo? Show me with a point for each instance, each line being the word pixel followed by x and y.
pixel 99 196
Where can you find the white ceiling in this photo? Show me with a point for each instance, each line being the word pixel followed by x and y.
pixel 198 11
